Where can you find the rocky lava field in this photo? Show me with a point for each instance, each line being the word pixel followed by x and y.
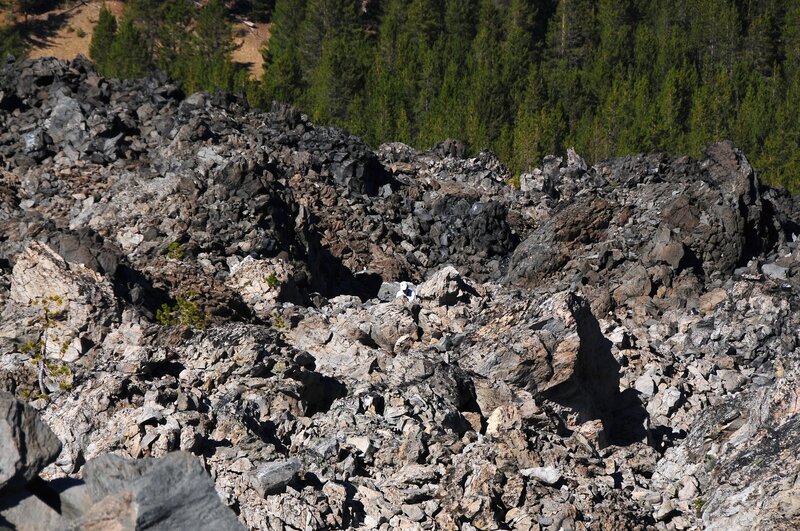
pixel 214 291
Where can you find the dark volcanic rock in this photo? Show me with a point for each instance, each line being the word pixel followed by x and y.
pixel 648 212
pixel 173 492
pixel 28 443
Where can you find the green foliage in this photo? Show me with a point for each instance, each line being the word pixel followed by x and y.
pixel 127 57
pixel 191 44
pixel 209 59
pixel 257 10
pixel 278 322
pixel 103 37
pixel 11 42
pixel 184 312
pixel 174 47
pixel 698 504
pixel 176 251
pixel 272 281
pixel 282 77
pixel 48 329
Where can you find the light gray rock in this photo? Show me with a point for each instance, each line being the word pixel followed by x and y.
pixel 446 287
pixel 775 271
pixel 645 385
pixel 273 477
pixel 543 474
pixel 24 511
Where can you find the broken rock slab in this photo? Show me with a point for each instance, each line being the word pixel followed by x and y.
pixel 273 477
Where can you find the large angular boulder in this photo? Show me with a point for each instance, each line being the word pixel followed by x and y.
pixel 28 444
pixel 42 282
pixel 173 492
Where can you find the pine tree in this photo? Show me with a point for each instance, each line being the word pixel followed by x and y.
pixel 673 109
pixel 486 106
pixel 127 58
pixel 613 53
pixel 339 73
pixel 147 16
pixel 790 37
pixel 282 77
pixel 761 24
pixel 210 67
pixel 11 41
pixel 519 49
pixel 261 10
pixel 103 39
pixel 572 32
pixel 175 42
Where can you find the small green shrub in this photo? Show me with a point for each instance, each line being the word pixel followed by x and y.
pixel 51 312
pixel 278 322
pixel 184 312
pixel 80 33
pixel 698 504
pixel 176 251
pixel 272 281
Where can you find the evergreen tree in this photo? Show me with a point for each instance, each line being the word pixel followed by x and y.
pixel 127 58
pixel 147 16
pixel 282 77
pixel 519 49
pixel 673 109
pixel 572 32
pixel 210 67
pixel 338 75
pixel 11 41
pixel 790 37
pixel 763 35
pixel 486 107
pixel 539 127
pixel 175 43
pixel 261 10
pixel 103 39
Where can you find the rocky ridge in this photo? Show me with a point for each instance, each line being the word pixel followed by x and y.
pixel 606 347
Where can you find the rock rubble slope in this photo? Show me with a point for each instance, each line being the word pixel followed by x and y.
pixel 606 347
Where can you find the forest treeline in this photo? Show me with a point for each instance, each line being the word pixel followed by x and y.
pixel 530 77
pixel 524 78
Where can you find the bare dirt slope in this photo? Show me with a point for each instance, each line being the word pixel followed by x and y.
pixel 66 33
pixel 250 37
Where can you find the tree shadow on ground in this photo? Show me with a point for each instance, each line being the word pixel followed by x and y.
pixel 41 32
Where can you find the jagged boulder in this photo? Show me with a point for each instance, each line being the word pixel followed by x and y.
pixel 28 443
pixel 173 492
